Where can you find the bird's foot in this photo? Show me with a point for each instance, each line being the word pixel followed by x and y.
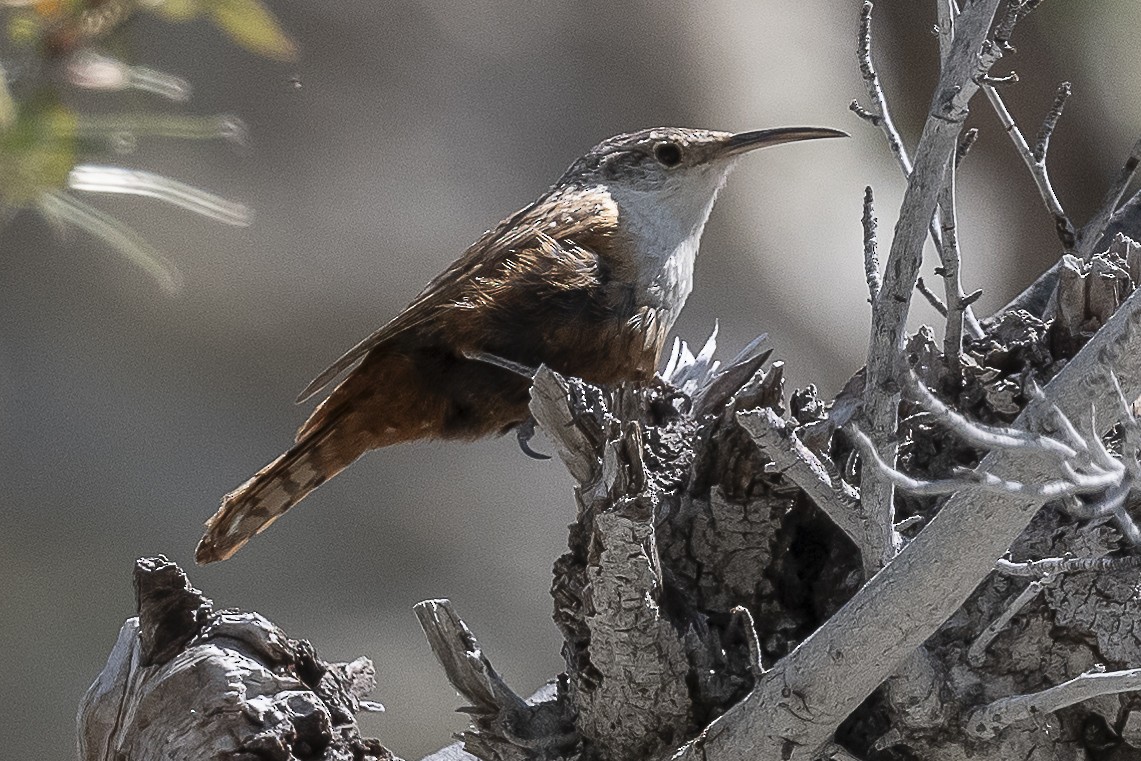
pixel 524 432
pixel 670 393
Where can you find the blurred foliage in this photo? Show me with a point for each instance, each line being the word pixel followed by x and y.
pixel 44 143
pixel 248 23
pixel 62 26
pixel 37 150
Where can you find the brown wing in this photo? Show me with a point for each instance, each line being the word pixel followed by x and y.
pixel 538 244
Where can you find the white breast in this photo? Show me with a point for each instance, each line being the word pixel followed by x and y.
pixel 666 277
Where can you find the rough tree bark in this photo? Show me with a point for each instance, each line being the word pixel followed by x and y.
pixel 939 564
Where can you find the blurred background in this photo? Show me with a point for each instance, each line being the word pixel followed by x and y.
pixel 400 133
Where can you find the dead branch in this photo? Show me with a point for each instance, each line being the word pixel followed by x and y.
pixel 986 721
pixel 1047 567
pixel 504 725
pixel 976 655
pixel 871 258
pixel 185 683
pixel 808 693
pixel 1096 227
pixel 799 465
pixel 971 56
pixel 1036 161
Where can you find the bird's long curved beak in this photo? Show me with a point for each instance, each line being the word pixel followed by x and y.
pixel 743 142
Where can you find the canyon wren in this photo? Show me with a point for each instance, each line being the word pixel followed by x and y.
pixel 587 280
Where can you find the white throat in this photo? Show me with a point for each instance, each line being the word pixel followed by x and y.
pixel 665 226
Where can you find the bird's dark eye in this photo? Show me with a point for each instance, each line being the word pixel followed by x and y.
pixel 667 154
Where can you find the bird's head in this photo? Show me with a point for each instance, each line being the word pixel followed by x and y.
pixel 674 172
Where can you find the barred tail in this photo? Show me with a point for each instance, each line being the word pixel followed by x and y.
pixel 253 506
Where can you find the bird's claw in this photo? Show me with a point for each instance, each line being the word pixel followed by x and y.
pixel 524 432
pixel 670 392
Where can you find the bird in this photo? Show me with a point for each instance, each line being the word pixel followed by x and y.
pixel 587 280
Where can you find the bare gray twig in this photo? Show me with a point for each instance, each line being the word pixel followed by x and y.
pixel 1056 566
pixel 756 659
pixel 1085 465
pixel 877 113
pixel 989 437
pixel 945 12
pixel 932 297
pixel 1042 144
pixel 971 57
pixel 950 258
pixel 976 654
pixel 1093 230
pixel 965 144
pixel 981 482
pixel 871 258
pixel 998 81
pixel 986 721
pixel 958 311
pixel 1016 10
pixel 1037 166
pixel 798 464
